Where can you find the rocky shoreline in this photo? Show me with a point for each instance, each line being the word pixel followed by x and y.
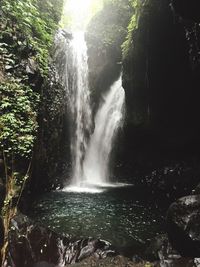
pixel 33 245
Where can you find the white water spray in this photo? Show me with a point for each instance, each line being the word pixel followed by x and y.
pixel 71 58
pixel 81 105
pixel 90 152
pixel 107 121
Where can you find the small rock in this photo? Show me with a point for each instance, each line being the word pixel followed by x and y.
pixel 31 66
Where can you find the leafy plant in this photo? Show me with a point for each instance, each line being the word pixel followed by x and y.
pixel 18 118
pixel 133 24
pixel 35 21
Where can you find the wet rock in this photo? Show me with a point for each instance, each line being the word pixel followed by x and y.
pixel 161 251
pixel 156 245
pixel 183 225
pixel 96 246
pixel 67 35
pixel 168 182
pixel 169 257
pixel 50 165
pixel 31 244
pixel 31 66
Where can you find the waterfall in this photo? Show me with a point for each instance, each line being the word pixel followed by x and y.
pixel 90 152
pixel 71 59
pixel 107 121
pixel 80 105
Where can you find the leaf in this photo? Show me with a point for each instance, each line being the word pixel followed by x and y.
pixel 5 105
pixel 8 67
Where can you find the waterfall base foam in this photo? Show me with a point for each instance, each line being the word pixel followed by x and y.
pixel 94 188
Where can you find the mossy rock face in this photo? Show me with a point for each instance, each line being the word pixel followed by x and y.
pixel 27 29
pixel 105 35
pixel 159 67
pixel 53 146
pixel 161 80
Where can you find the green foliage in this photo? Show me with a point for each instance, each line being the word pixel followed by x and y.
pixel 26 34
pixel 16 181
pixel 133 24
pixel 18 114
pixel 33 20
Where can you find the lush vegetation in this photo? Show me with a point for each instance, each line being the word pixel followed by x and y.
pixel 26 34
pixel 18 120
pixel 30 24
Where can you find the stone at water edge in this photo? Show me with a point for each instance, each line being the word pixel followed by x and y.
pixel 161 251
pixel 183 225
pixel 31 245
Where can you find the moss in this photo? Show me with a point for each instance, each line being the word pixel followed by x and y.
pixel 133 25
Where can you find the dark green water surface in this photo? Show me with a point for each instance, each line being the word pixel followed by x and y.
pixel 114 215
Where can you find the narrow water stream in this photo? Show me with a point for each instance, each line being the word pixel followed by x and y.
pixel 108 120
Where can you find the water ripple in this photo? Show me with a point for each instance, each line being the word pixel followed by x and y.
pixel 112 215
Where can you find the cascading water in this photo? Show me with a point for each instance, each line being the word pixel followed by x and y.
pixel 74 76
pixel 81 105
pixel 107 121
pixel 90 158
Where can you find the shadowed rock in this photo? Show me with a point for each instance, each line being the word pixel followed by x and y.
pixel 32 245
pixel 183 225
